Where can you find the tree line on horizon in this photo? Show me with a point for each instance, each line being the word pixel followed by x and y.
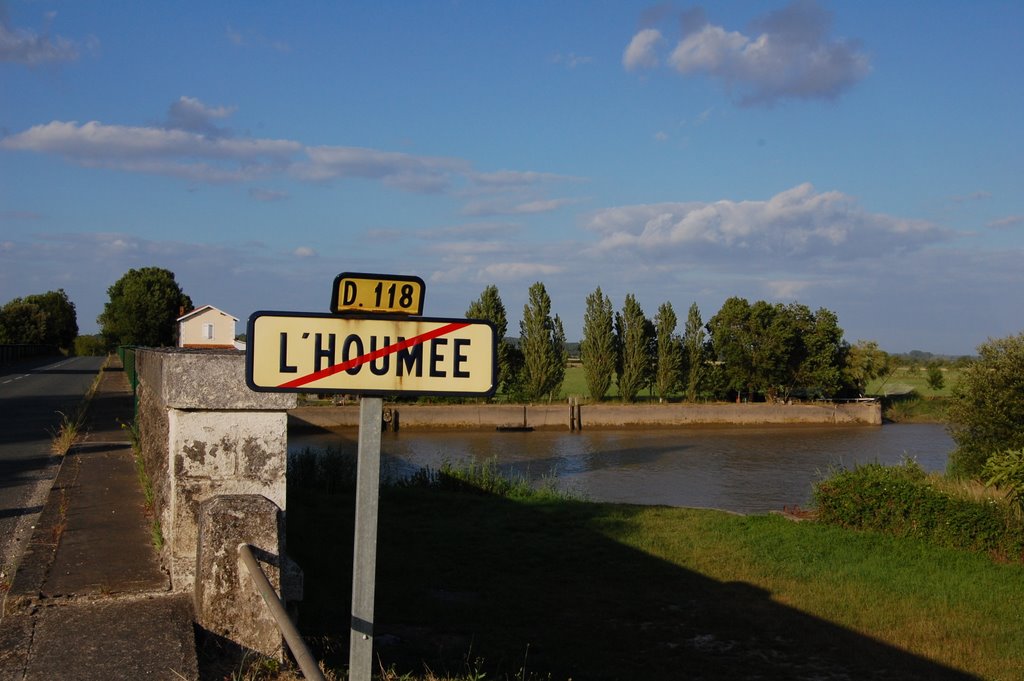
pixel 746 351
pixel 758 351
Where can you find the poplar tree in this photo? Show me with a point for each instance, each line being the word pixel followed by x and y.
pixel 632 329
pixel 693 346
pixel 542 342
pixel 597 349
pixel 669 351
pixel 489 306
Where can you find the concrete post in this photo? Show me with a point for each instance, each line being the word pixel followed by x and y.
pixel 227 602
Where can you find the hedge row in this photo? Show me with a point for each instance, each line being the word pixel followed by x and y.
pixel 900 500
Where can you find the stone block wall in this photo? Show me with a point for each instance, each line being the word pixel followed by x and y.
pixel 205 434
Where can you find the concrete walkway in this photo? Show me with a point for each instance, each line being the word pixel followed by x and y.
pixel 89 601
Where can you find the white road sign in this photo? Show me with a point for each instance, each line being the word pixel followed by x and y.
pixel 319 353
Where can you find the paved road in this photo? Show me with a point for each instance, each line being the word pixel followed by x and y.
pixel 33 395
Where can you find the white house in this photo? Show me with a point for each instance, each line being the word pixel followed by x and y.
pixel 208 327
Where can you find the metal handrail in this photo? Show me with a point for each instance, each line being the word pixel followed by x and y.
pixel 306 661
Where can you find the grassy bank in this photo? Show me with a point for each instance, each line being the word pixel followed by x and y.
pixel 520 586
pixel 915 409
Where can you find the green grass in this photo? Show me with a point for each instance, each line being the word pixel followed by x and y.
pixel 470 582
pixel 915 409
pixel 905 379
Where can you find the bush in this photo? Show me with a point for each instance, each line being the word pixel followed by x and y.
pixel 902 501
pixel 1005 470
pixel 986 413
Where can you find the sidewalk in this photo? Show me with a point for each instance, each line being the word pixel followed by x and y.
pixel 89 601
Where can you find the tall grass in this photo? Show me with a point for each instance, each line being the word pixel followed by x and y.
pixel 67 431
pixel 71 425
pixel 331 471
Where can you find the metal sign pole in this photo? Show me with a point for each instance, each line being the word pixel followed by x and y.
pixel 364 559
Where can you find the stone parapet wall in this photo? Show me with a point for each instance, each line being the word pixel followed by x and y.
pixel 205 434
pixel 598 415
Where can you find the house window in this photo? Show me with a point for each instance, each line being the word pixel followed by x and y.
pixel 208 331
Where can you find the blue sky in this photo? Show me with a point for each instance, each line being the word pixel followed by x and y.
pixel 864 157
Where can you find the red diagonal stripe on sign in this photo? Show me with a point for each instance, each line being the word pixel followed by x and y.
pixel 376 354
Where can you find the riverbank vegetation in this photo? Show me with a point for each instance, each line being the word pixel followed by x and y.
pixel 986 416
pixel 907 502
pixel 477 579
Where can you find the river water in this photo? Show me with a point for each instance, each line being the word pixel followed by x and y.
pixel 747 469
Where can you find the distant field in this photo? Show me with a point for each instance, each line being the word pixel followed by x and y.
pixel 905 379
pixel 576 384
pixel 902 381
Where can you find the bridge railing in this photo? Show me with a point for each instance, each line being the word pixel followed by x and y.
pixel 18 351
pixel 304 658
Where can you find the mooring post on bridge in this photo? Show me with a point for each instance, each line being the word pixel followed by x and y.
pixel 364 559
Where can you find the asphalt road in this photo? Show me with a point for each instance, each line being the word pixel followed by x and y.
pixel 33 397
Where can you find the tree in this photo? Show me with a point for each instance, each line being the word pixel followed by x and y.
pixel 773 347
pixel 634 367
pixel 489 306
pixel 865 361
pixel 693 346
pixel 143 308
pixel 821 351
pixel 669 351
pixel 22 322
pixel 542 342
pixel 986 412
pixel 597 349
pixel 732 344
pixel 936 379
pixel 61 318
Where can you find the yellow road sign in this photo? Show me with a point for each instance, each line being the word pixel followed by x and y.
pixel 377 293
pixel 320 353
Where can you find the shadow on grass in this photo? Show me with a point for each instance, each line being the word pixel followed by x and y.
pixel 469 581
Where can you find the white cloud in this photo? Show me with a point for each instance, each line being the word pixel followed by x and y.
pixel 24 46
pixel 504 207
pixel 786 289
pixel 190 114
pixel 500 180
pixel 98 142
pixel 791 57
pixel 1008 222
pixel 192 146
pixel 799 223
pixel 641 51
pixel 304 252
pixel 406 171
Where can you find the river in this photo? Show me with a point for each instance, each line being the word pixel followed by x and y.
pixel 744 469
